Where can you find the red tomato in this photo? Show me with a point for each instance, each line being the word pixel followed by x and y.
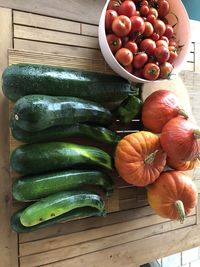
pixel 172 54
pixel 148 29
pixel 144 10
pixel 163 8
pixel 169 32
pixel 114 4
pixel 151 18
pixel 151 71
pixel 162 53
pixel 137 25
pixel 121 25
pixel 129 68
pixel 155 36
pixel 139 60
pixel 114 42
pixel 164 38
pixel 153 11
pixel 147 46
pixel 172 42
pixel 132 46
pixel 127 8
pixel 110 16
pixel 137 13
pixel 144 3
pixel 161 43
pixel 165 70
pixel 124 56
pixel 159 27
pixel 138 73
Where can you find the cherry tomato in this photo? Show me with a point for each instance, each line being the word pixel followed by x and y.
pixel 124 56
pixel 137 25
pixel 139 60
pixel 151 18
pixel 164 38
pixel 144 10
pixel 114 42
pixel 144 3
pixel 165 70
pixel 137 13
pixel 169 32
pixel 172 54
pixel 138 73
pixel 159 27
pixel 151 71
pixel 161 43
pixel 153 11
pixel 127 8
pixel 110 16
pixel 132 46
pixel 148 29
pixel 155 36
pixel 114 4
pixel 129 68
pixel 162 53
pixel 121 25
pixel 172 42
pixel 147 46
pixel 163 8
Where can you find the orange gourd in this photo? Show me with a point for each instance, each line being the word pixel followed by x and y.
pixel 182 165
pixel 173 195
pixel 139 158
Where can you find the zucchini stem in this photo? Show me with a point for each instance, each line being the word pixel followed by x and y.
pixel 196 133
pixel 181 210
pixel 183 113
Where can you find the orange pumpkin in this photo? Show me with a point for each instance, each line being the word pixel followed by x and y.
pixel 173 195
pixel 182 165
pixel 139 158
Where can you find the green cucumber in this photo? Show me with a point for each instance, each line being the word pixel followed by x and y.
pixel 34 187
pixel 44 157
pixel 79 213
pixel 38 112
pixel 27 79
pixel 96 133
pixel 59 203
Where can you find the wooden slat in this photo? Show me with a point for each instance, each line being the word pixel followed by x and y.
pixel 197 58
pixel 91 30
pixel 99 245
pixel 77 52
pixel 88 12
pixel 8 241
pixel 42 35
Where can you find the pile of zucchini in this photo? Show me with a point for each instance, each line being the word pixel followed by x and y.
pixel 51 104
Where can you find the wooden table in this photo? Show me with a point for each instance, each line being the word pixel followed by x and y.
pixel 62 30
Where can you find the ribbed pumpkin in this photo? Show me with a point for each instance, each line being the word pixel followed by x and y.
pixel 173 195
pixel 139 158
pixel 182 165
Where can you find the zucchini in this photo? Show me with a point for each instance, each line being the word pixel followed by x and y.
pixel 38 112
pixel 78 213
pixel 59 203
pixel 96 133
pixel 26 79
pixel 37 186
pixel 44 157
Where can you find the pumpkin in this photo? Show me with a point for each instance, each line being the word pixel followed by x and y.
pixel 139 158
pixel 180 139
pixel 182 165
pixel 173 195
pixel 158 108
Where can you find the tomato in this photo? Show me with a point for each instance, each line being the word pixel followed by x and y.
pixel 153 11
pixel 129 68
pixel 124 56
pixel 161 43
pixel 110 16
pixel 138 72
pixel 148 29
pixel 169 32
pixel 151 18
pixel 172 54
pixel 114 42
pixel 155 36
pixel 165 70
pixel 127 8
pixel 172 42
pixel 159 27
pixel 139 60
pixel 137 13
pixel 121 25
pixel 163 8
pixel 151 71
pixel 144 3
pixel 162 53
pixel 147 46
pixel 114 5
pixel 144 10
pixel 164 38
pixel 132 46
pixel 137 25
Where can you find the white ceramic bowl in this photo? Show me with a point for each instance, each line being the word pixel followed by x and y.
pixel 182 31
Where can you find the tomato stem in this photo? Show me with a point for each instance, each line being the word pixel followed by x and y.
pixel 196 133
pixel 183 113
pixel 180 209
pixel 150 158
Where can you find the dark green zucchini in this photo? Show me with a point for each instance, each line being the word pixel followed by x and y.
pixel 44 157
pixel 97 133
pixel 58 204
pixel 27 79
pixel 35 187
pixel 38 112
pixel 78 213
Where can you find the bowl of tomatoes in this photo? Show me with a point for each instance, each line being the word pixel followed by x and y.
pixel 144 40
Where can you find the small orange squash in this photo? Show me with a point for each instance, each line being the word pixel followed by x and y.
pixel 182 165
pixel 173 195
pixel 139 158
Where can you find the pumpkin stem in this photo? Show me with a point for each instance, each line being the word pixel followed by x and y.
pixel 197 133
pixel 183 113
pixel 181 210
pixel 150 158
